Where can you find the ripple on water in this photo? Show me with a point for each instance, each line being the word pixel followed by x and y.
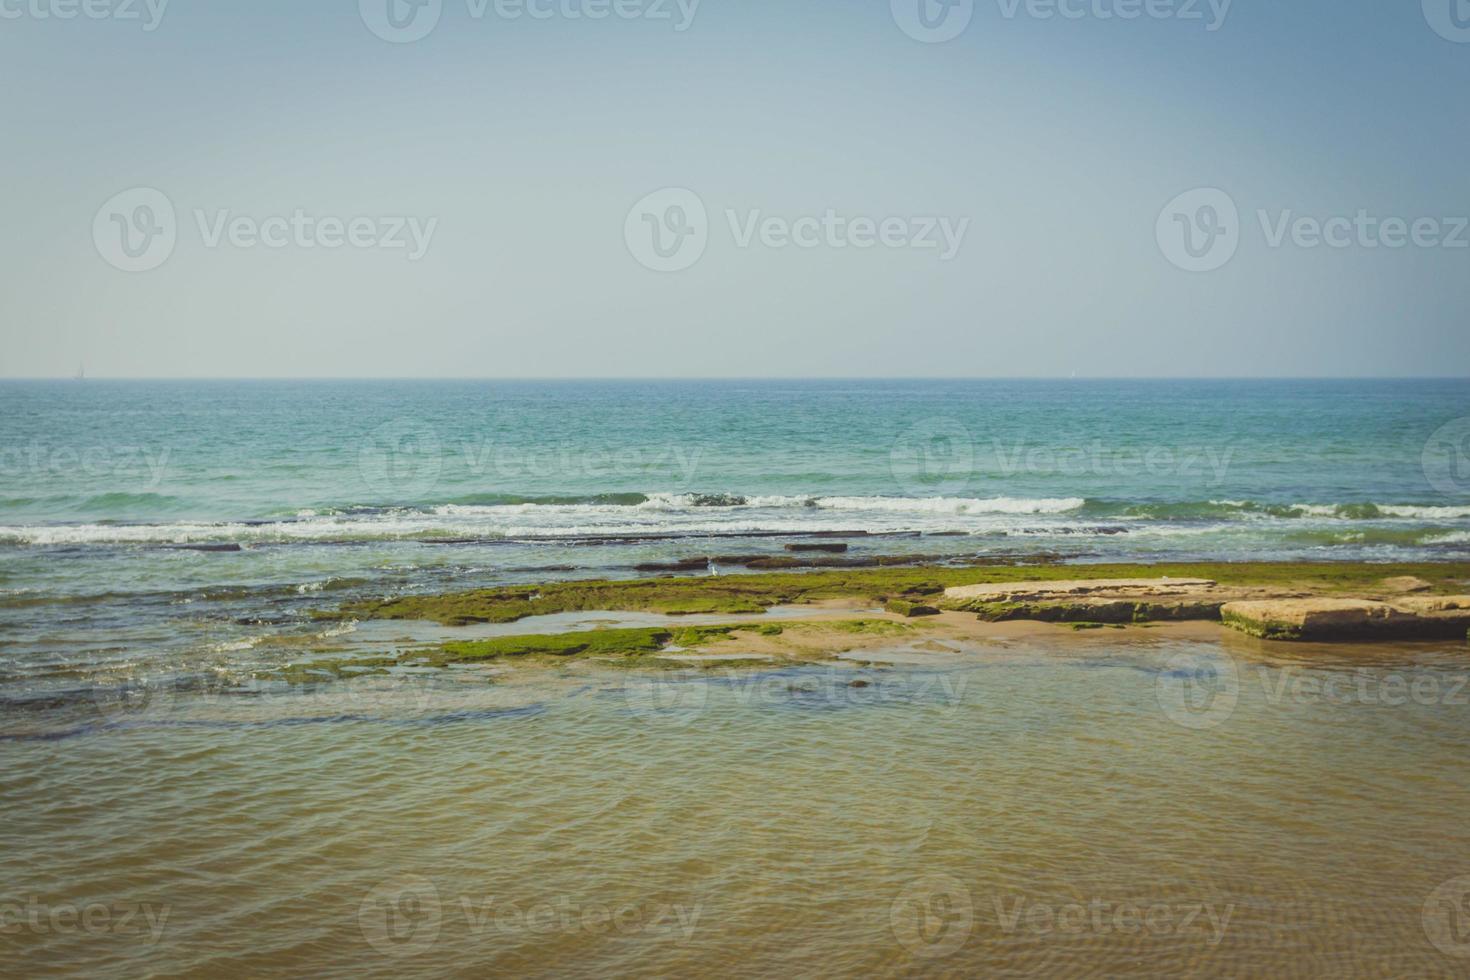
pixel 743 823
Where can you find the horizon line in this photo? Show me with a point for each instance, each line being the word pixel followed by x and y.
pixel 744 378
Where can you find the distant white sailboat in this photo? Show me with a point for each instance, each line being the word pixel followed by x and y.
pixel 82 371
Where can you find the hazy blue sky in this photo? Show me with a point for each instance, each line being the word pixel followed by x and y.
pixel 519 146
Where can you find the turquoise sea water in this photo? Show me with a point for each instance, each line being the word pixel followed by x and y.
pixel 150 519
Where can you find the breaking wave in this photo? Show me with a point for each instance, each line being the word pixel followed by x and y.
pixel 490 517
pixel 1245 509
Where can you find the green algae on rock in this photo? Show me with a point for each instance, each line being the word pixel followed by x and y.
pixel 642 647
pixel 737 594
pixel 1110 612
pixel 592 643
pixel 910 608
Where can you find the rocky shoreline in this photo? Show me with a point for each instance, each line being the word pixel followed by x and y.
pixel 828 615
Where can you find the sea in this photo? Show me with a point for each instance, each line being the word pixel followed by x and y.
pixel 1024 806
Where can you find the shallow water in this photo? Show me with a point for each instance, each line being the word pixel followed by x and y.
pixel 1118 804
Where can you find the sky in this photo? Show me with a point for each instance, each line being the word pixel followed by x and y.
pixel 657 188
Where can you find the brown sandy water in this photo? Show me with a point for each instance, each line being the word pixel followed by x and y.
pixel 1150 803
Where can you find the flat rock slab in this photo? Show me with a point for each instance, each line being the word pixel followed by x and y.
pixel 1424 604
pixel 1349 619
pixel 1406 583
pixel 1141 588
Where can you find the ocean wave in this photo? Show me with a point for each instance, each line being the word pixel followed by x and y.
pixel 1237 509
pixel 913 505
pixel 675 502
pixel 1449 537
pixel 1402 537
pixel 692 514
pixel 552 500
pixel 672 501
pixel 7 503
pixel 1424 512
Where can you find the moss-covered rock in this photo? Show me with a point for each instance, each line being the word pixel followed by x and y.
pixel 909 608
pixel 593 643
pixel 1107 611
pixel 1265 629
pixel 626 647
pixel 747 593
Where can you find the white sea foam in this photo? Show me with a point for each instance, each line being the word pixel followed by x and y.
pixel 954 505
pixel 676 514
pixel 920 505
pixel 1452 537
pixel 1425 513
pixel 1406 511
pixel 1353 511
